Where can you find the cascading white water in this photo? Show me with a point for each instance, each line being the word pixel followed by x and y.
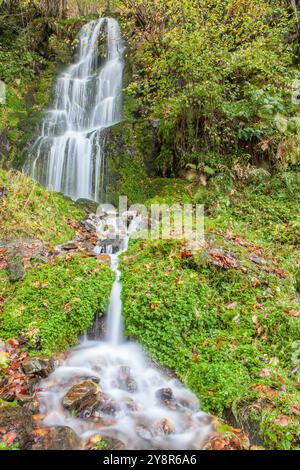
pixel 132 409
pixel 68 156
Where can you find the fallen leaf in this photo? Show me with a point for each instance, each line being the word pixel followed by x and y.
pixel 9 438
pixel 282 421
pixel 265 373
pixel 295 409
pixel 67 308
pixel 231 306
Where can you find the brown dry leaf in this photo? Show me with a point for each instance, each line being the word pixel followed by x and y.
pixel 291 313
pixel 295 409
pixel 218 444
pixel 67 308
pixel 195 356
pixel 282 420
pixel 40 432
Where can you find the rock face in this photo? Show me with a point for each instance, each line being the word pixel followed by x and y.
pixel 114 444
pixel 82 398
pixel 38 366
pixel 56 438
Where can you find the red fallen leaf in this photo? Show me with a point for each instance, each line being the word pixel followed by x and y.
pixel 67 308
pixel 185 254
pixel 9 438
pixel 295 409
pixel 2 430
pixel 281 272
pixel 282 421
pixel 218 444
pixel 154 306
pixel 291 313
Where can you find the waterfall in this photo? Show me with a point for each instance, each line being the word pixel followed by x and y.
pixel 68 156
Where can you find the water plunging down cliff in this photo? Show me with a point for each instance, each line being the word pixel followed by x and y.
pixel 68 156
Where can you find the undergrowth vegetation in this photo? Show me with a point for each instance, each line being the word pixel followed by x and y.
pixel 219 77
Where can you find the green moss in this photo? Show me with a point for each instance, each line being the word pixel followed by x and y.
pixel 56 302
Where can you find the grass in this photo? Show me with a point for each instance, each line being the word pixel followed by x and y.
pixel 230 331
pixel 28 211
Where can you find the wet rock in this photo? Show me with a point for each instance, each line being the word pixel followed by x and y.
pixel 38 366
pixel 104 259
pixel 89 226
pixel 165 396
pixel 106 405
pixel 98 329
pixel 82 399
pixel 144 432
pixel 56 438
pixel 125 380
pixel 70 246
pixel 131 405
pixel 19 421
pixel 16 270
pixel 114 444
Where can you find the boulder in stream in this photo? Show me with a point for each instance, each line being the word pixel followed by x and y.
pixel 125 380
pixel 82 398
pixel 166 397
pixel 56 438
pixel 39 367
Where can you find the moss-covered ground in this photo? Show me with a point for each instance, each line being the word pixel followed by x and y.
pixel 56 302
pixel 226 317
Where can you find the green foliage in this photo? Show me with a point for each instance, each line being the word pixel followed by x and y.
pixel 56 302
pixel 217 74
